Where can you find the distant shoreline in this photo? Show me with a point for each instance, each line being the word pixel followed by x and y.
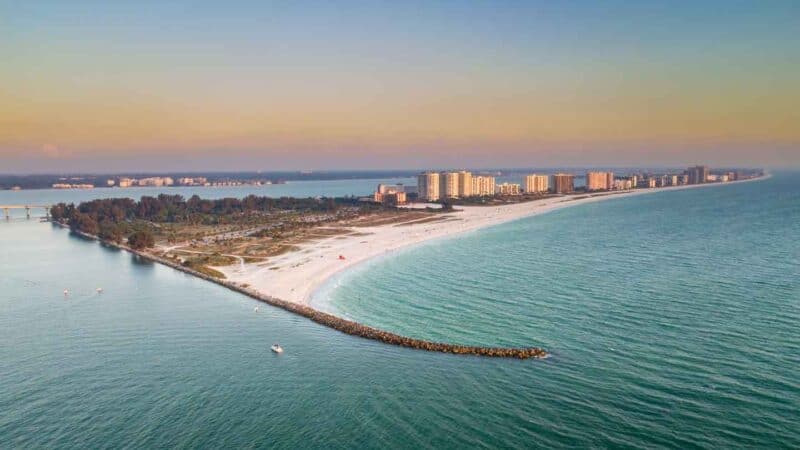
pixel 537 207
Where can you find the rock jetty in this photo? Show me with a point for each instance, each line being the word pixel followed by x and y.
pixel 343 325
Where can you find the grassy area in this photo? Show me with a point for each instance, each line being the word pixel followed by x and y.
pixel 255 248
pixel 193 259
pixel 209 271
pixel 389 218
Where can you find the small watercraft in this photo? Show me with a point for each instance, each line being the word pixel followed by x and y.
pixel 66 292
pixel 99 290
pixel 255 309
pixel 276 348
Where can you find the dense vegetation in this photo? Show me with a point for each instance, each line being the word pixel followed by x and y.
pixel 116 219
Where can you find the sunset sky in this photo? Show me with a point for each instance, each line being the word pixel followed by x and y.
pixel 135 85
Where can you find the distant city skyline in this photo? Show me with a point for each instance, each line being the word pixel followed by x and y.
pixel 92 86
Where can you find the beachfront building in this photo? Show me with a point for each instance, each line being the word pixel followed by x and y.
pixel 563 183
pixel 428 186
pixel 126 182
pixel 536 183
pixel 390 195
pixel 465 184
pixel 73 186
pixel 508 189
pixel 156 181
pixel 448 185
pixel 194 181
pixel 483 186
pixel 599 181
pixel 698 174
pixel 623 184
pixel 672 180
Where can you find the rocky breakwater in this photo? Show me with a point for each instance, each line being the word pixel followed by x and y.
pixel 357 329
pixel 337 323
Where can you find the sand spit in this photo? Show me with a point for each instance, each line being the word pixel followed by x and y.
pixel 290 280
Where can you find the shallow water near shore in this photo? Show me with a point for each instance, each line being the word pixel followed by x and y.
pixel 672 318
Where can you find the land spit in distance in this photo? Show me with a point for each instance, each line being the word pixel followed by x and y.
pixel 290 280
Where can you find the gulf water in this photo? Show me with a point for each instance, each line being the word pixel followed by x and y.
pixel 672 319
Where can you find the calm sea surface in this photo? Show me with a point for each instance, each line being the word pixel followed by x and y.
pixel 673 319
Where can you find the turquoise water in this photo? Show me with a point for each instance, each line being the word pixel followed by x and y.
pixel 672 319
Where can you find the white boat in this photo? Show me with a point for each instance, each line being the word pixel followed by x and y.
pixel 255 309
pixel 99 290
pixel 66 292
pixel 276 348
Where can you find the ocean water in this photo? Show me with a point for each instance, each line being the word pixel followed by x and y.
pixel 672 319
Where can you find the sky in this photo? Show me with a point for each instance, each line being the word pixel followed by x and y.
pixel 292 85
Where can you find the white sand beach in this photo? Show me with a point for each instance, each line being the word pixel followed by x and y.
pixel 295 276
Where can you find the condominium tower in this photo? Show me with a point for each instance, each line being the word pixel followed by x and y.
pixel 536 183
pixel 483 185
pixel 428 186
pixel 563 183
pixel 697 174
pixel 465 184
pixel 599 181
pixel 448 185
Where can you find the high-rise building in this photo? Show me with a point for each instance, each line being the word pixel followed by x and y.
pixel 536 183
pixel 448 185
pixel 599 181
pixel 465 184
pixel 428 186
pixel 483 185
pixel 563 183
pixel 697 174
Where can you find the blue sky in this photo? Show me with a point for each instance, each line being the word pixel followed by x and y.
pixel 397 84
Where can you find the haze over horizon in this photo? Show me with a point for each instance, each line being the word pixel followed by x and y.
pixel 137 86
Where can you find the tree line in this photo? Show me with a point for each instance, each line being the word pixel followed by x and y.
pixel 115 219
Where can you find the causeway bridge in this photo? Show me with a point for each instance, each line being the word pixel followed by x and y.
pixel 7 210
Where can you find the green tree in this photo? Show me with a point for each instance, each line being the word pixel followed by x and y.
pixel 141 239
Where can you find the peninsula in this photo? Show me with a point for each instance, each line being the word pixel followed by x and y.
pixel 282 251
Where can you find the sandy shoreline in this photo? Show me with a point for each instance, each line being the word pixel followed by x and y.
pixel 298 276
pixel 319 262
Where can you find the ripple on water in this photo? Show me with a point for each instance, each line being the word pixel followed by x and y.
pixel 671 318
